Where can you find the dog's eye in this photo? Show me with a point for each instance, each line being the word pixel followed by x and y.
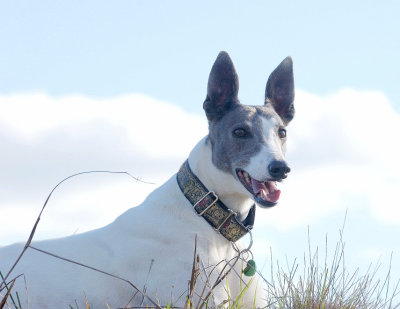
pixel 282 133
pixel 240 132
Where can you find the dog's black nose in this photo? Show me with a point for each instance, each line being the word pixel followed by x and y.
pixel 278 169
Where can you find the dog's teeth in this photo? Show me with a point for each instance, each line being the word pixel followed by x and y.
pixel 263 194
pixel 247 177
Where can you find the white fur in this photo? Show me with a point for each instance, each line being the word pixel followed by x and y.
pixel 162 229
pixel 229 189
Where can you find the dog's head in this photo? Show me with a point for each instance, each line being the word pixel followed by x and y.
pixel 248 142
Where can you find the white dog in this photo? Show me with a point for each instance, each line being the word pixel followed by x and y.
pixel 151 245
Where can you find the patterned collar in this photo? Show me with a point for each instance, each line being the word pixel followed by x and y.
pixel 207 205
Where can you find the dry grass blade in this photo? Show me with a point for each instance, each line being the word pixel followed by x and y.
pixel 193 278
pixel 27 244
pixel 4 300
pixel 32 234
pixel 220 278
pixel 98 270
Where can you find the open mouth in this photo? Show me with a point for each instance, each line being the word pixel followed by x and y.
pixel 265 193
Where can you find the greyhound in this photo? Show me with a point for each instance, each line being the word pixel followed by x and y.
pixel 211 198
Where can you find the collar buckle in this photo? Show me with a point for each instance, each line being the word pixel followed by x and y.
pixel 211 204
pixel 231 213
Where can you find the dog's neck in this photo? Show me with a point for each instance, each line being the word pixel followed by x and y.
pixel 223 184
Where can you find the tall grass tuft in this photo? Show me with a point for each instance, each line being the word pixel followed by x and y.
pixel 329 285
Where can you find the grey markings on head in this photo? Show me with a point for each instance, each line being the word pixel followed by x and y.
pixel 225 114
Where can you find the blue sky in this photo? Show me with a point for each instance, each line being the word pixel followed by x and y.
pixel 109 85
pixel 164 48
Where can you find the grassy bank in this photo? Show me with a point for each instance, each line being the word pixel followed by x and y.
pixel 312 283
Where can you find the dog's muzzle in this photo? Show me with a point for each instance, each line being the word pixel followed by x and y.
pixel 265 193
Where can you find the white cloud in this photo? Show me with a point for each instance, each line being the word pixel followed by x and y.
pixel 152 126
pixel 343 151
pixel 45 139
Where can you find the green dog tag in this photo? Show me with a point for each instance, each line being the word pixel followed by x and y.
pixel 250 269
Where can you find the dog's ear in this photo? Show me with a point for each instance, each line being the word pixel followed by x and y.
pixel 222 90
pixel 280 90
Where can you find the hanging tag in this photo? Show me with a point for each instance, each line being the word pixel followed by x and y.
pixel 250 268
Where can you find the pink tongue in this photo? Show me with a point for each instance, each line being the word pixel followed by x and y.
pixel 267 192
pixel 258 186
